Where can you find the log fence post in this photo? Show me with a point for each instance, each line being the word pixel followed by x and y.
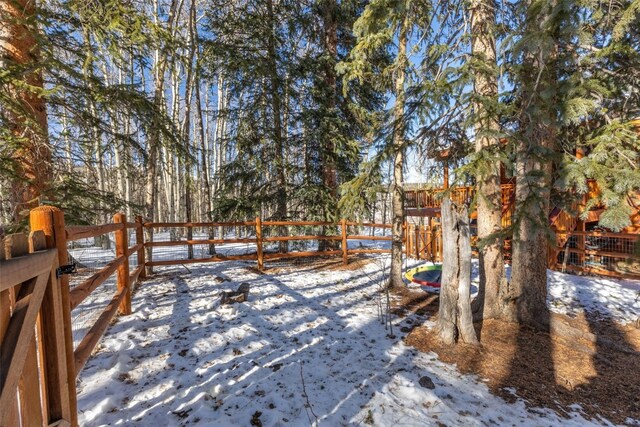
pixel 50 220
pixel 404 238
pixel 122 247
pixel 259 243
pixel 345 255
pixel 140 241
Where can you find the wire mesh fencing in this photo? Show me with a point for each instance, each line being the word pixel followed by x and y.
pixel 594 252
pixel 91 255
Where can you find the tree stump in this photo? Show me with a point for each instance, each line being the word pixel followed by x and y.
pixel 455 316
pixel 232 297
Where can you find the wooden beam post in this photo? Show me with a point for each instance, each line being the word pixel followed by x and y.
pixel 345 255
pixel 445 184
pixel 10 414
pixel 57 317
pixel 29 401
pixel 259 243
pixel 404 239
pixel 122 247
pixel 434 244
pixel 140 240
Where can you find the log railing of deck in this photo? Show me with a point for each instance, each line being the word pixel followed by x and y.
pixel 431 198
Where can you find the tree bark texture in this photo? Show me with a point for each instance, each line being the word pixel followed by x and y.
pixel 455 318
pixel 27 114
pixel 533 181
pixel 398 161
pixel 276 106
pixel 491 301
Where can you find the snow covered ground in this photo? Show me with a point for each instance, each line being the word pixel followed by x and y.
pixel 91 259
pixel 308 346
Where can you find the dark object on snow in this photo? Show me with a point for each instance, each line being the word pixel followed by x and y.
pixel 241 295
pixel 426 382
pixel 255 419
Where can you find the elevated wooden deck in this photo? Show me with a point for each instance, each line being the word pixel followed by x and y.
pixel 426 203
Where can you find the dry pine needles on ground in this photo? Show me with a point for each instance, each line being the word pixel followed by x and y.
pixel 595 367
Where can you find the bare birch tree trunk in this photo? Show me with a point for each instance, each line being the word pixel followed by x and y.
pixel 151 185
pixel 219 140
pixel 186 129
pixel 455 319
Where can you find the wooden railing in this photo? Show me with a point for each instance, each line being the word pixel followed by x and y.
pixel 424 242
pixel 431 198
pixel 259 238
pixel 119 266
pixel 35 385
pixel 49 223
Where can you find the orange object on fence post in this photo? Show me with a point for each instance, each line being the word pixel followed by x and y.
pixel 50 220
pixel 122 247
pixel 140 240
pixel 345 255
pixel 259 243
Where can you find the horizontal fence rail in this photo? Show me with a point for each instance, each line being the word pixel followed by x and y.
pixel 34 383
pixel 259 234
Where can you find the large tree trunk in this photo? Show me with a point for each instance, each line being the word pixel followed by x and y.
pixel 398 162
pixel 278 139
pixel 328 9
pixel 531 239
pixel 455 320
pixel 330 174
pixel 18 47
pixel 536 141
pixel 491 301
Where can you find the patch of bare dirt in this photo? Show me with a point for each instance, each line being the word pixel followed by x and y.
pixel 597 366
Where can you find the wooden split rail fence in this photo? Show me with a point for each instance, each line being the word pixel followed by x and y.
pixel 38 361
pixel 260 240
